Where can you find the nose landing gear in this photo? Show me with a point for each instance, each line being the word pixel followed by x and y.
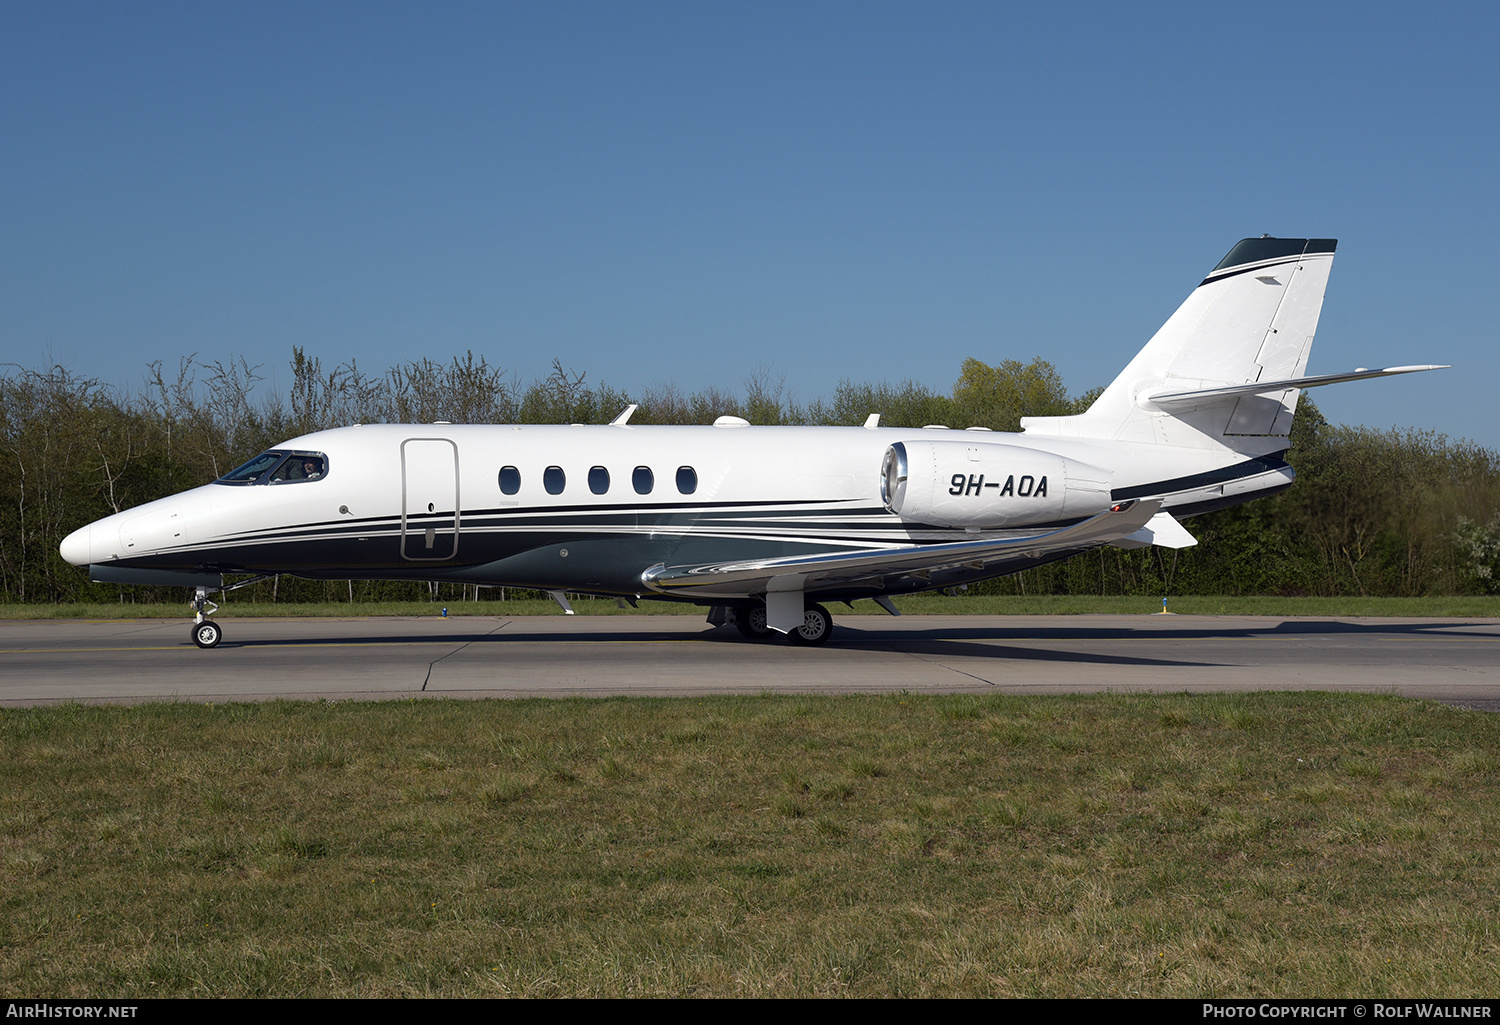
pixel 206 633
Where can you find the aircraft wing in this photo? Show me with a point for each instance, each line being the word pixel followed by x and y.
pixel 820 572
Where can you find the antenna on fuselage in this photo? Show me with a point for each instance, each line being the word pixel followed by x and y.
pixel 624 417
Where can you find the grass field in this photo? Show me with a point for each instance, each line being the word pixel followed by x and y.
pixel 920 604
pixel 1234 845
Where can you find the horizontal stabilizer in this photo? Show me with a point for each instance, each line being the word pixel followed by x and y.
pixel 820 571
pixel 1162 529
pixel 1177 399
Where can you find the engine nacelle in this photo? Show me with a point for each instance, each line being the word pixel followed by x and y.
pixel 988 486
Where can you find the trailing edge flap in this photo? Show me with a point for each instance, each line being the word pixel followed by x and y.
pixel 1162 529
pixel 812 572
pixel 1202 396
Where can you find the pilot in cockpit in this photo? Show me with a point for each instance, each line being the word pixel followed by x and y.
pixel 298 468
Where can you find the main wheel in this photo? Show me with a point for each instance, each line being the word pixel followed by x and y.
pixel 750 620
pixel 207 634
pixel 817 626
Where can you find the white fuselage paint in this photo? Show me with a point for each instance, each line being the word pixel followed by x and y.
pixel 393 494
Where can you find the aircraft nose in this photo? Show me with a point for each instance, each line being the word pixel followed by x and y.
pixel 76 546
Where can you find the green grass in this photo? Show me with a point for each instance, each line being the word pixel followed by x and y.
pixel 1212 846
pixel 919 604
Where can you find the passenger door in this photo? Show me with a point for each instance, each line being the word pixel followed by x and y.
pixel 429 499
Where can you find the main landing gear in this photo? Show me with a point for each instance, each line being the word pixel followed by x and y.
pixel 816 628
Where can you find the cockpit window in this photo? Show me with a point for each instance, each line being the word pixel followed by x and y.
pixel 254 470
pixel 298 466
pixel 275 467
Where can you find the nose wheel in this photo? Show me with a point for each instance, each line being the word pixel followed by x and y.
pixel 207 634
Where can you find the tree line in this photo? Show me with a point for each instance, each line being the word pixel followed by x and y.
pixel 1372 512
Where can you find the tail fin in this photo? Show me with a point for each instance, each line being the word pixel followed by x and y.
pixel 1252 319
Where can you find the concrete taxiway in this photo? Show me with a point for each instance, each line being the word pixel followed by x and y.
pixel 1451 660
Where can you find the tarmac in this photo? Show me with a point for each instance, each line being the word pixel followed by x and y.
pixel 1456 661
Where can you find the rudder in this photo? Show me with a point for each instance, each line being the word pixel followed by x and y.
pixel 1251 319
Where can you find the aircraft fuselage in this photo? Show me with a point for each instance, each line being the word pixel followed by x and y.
pixel 588 508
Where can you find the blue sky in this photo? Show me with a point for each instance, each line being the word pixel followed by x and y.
pixel 658 192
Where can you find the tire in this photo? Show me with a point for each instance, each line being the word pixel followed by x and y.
pixel 750 620
pixel 816 628
pixel 207 634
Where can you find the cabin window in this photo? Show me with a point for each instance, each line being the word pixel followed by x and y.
pixel 643 480
pixel 510 480
pixel 598 480
pixel 687 480
pixel 554 480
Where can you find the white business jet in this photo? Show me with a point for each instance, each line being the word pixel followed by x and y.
pixel 762 523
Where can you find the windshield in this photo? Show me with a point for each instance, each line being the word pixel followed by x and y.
pixel 254 470
pixel 279 467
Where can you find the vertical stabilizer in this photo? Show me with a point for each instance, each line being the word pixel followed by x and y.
pixel 1252 319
